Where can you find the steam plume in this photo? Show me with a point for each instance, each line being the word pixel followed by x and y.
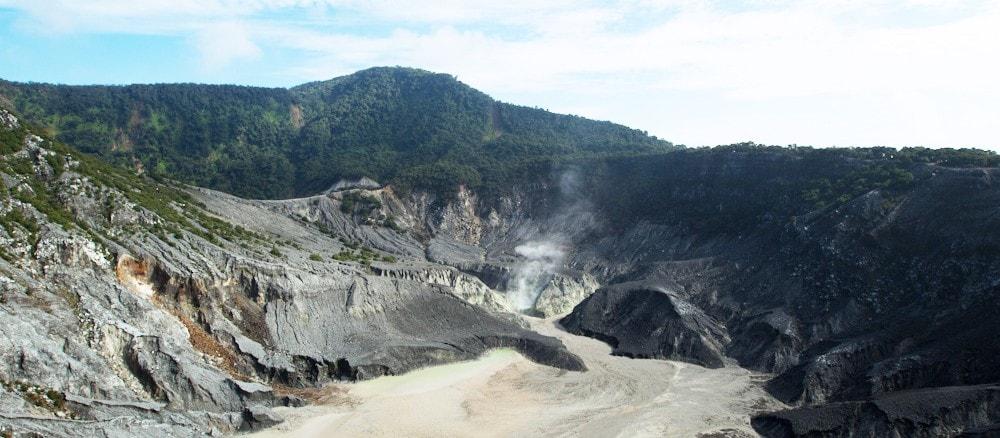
pixel 543 256
pixel 531 275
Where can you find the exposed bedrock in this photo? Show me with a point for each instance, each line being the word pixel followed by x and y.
pixel 918 350
pixel 564 291
pixel 933 412
pixel 144 315
pixel 89 358
pixel 644 320
pixel 468 287
pixel 301 329
pixel 889 292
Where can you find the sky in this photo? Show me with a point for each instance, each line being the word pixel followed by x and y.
pixel 695 72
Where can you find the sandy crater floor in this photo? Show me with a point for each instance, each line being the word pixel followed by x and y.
pixel 504 394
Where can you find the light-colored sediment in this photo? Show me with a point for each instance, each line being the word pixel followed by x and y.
pixel 504 394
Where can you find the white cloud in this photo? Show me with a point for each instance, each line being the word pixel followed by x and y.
pixel 878 71
pixel 220 44
pixel 776 53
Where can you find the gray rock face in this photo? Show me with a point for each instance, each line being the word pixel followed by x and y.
pixel 564 291
pixel 890 291
pixel 645 321
pixel 935 412
pixel 9 121
pixel 194 315
pixel 258 417
pixel 466 286
pixel 454 253
pixel 192 318
pixel 360 183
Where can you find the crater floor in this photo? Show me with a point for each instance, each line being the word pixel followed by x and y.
pixel 504 394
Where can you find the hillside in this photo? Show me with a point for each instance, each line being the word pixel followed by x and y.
pixel 133 307
pixel 852 291
pixel 410 127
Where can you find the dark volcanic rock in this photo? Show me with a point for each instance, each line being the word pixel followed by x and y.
pixel 171 325
pixel 643 320
pixel 948 411
pixel 258 417
pixel 947 349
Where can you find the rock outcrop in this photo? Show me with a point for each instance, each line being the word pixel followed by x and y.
pixel 889 291
pixel 132 307
pixel 934 412
pixel 644 321
pixel 564 291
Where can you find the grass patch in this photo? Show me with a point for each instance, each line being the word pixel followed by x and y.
pixel 38 395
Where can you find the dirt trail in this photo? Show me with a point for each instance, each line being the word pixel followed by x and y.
pixel 504 394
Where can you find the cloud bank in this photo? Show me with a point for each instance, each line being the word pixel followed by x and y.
pixel 830 72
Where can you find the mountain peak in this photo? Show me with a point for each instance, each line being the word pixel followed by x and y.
pixel 378 74
pixel 406 127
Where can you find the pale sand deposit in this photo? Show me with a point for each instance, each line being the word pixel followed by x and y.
pixel 504 394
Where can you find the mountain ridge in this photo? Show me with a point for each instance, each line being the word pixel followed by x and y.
pixel 360 125
pixel 855 276
pixel 849 274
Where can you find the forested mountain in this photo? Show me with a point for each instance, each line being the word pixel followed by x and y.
pixel 410 127
pixel 864 280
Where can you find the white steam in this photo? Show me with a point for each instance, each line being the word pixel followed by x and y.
pixel 543 256
pixel 534 272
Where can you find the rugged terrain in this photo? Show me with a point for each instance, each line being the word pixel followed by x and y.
pixel 862 282
pixel 868 302
pixel 131 307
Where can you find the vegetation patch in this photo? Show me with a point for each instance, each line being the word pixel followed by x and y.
pixel 410 128
pixel 730 189
pixel 823 193
pixel 359 204
pixel 40 396
pixel 366 208
pixel 361 254
pixel 16 218
pixel 11 140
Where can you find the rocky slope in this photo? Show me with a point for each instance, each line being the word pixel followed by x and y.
pixel 889 288
pixel 864 283
pixel 890 291
pixel 645 321
pixel 135 307
pixel 933 412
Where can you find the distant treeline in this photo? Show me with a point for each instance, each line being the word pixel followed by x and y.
pixel 416 130
pixel 407 127
pixel 736 187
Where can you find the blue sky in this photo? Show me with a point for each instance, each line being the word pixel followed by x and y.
pixel 696 72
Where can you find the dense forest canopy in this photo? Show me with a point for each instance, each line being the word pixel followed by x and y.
pixel 413 129
pixel 409 127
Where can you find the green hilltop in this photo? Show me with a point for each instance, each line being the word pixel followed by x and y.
pixel 419 130
pixel 411 128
